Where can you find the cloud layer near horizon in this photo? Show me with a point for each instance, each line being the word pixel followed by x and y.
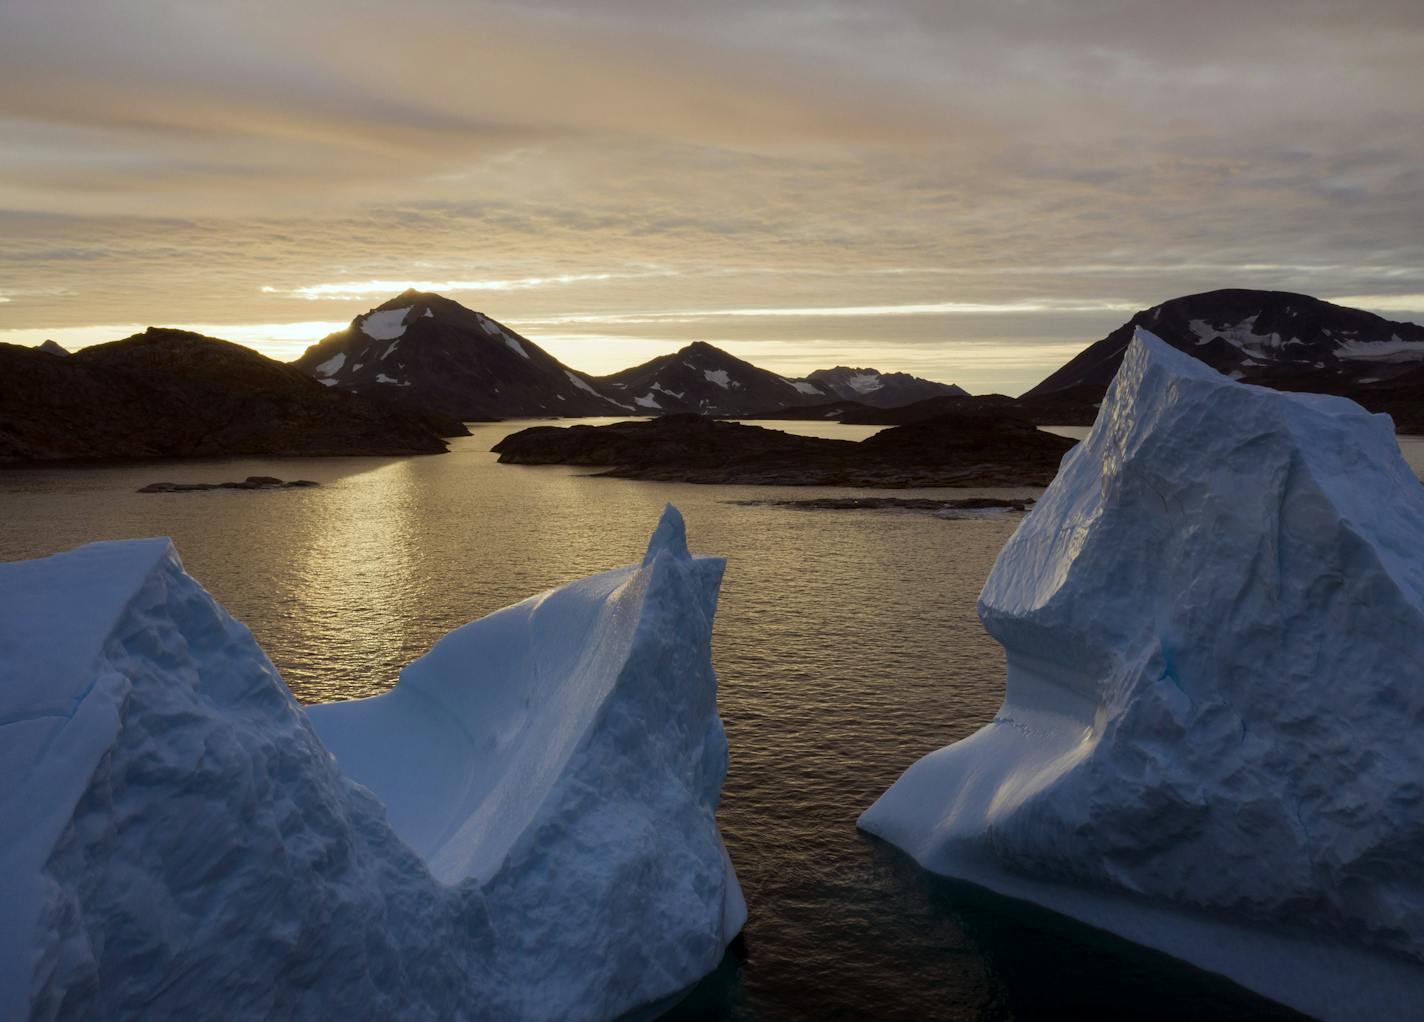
pixel 964 190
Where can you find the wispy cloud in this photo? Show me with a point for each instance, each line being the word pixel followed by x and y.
pixel 932 179
pixel 1401 303
pixel 1020 307
pixel 359 289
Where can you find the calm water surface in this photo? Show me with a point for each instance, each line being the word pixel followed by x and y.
pixel 846 646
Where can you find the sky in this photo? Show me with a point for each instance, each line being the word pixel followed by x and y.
pixel 968 191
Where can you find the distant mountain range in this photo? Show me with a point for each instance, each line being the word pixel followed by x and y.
pixel 1271 338
pixel 428 350
pixel 877 389
pixel 166 393
pixel 406 373
pixel 425 349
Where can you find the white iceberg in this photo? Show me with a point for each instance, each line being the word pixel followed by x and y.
pixel 1209 743
pixel 177 841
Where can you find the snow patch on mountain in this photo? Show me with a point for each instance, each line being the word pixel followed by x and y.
pixel 648 401
pixel 1393 350
pixel 864 383
pixel 807 387
pixel 385 324
pixel 580 383
pixel 718 376
pixel 331 366
pixel 495 330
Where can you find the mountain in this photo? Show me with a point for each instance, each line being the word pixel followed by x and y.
pixel 1271 338
pixel 707 380
pixel 881 390
pixel 172 393
pixel 53 348
pixel 427 350
pixel 423 349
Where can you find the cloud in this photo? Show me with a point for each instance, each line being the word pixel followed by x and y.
pixel 1034 167
pixel 383 289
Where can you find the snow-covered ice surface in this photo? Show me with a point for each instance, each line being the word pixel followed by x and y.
pixel 178 841
pixel 1214 621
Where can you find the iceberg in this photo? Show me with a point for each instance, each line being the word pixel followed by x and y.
pixel 1214 627
pixel 523 828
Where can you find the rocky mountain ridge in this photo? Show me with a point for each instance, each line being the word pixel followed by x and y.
pixel 170 393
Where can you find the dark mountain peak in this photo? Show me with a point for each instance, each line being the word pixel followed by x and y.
pixel 425 349
pixel 699 378
pixel 170 342
pixel 50 347
pixel 173 335
pixel 701 351
pixel 1271 338
pixel 871 386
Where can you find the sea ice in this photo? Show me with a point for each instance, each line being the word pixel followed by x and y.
pixel 523 828
pixel 1214 621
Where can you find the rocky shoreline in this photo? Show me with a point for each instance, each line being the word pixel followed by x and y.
pixel 945 507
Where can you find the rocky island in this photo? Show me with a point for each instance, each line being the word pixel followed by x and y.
pixel 969 449
pixel 170 393
pixel 250 483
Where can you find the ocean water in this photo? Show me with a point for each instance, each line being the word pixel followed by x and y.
pixel 846 647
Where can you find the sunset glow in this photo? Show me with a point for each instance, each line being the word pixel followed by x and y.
pixel 896 181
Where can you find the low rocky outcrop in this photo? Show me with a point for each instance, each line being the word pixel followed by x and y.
pixel 896 504
pixel 250 483
pixel 951 450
